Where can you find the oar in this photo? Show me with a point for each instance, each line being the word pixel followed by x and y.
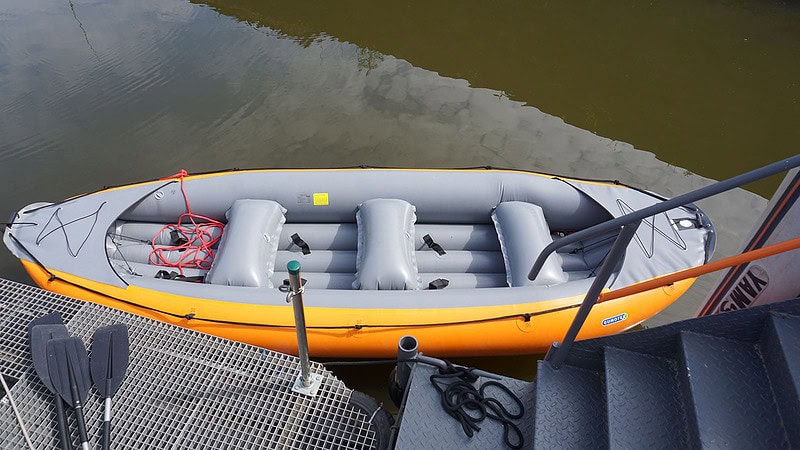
pixel 40 331
pixel 68 363
pixel 108 365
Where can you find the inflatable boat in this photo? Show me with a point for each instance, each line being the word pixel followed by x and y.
pixel 440 254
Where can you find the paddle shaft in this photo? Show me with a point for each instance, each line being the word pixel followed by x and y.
pixel 61 421
pixel 78 407
pixel 106 442
pixel 107 432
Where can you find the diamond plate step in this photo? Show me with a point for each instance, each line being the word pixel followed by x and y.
pixel 570 409
pixel 644 401
pixel 741 325
pixel 781 350
pixel 425 424
pixel 727 384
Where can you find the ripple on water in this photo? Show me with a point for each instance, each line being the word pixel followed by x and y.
pixel 28 147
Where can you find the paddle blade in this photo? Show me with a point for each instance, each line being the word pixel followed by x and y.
pixel 109 360
pixel 40 335
pixel 47 319
pixel 68 363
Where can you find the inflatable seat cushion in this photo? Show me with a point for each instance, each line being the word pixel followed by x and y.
pixel 385 257
pixel 523 234
pixel 246 254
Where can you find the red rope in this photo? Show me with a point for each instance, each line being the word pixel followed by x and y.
pixel 198 238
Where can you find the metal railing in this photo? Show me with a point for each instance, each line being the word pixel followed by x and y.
pixel 558 352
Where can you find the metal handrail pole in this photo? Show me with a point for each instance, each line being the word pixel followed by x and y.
pixel 681 200
pixel 694 272
pixel 295 296
pixel 558 352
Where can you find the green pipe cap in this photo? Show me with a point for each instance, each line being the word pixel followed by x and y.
pixel 293 267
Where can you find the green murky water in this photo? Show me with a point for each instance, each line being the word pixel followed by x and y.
pixel 96 93
pixel 711 86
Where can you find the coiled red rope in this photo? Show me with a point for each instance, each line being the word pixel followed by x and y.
pixel 193 238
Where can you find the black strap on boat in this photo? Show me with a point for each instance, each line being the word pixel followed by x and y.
pixel 433 245
pixel 284 287
pixel 164 275
pixel 471 406
pixel 298 241
pixel 439 283
pixel 176 239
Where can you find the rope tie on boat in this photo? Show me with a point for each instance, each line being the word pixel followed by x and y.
pixel 471 406
pixel 291 295
pixel 194 242
pixel 284 287
pixel 375 413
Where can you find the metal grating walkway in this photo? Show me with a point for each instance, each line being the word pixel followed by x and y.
pixel 183 389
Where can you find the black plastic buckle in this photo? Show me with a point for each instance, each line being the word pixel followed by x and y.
pixel 298 241
pixel 439 283
pixel 428 240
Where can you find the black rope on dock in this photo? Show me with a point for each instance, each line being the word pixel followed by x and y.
pixel 470 405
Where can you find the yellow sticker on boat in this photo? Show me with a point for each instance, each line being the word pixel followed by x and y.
pixel 320 199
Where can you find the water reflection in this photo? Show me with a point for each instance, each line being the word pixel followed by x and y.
pixel 140 89
pixel 709 86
